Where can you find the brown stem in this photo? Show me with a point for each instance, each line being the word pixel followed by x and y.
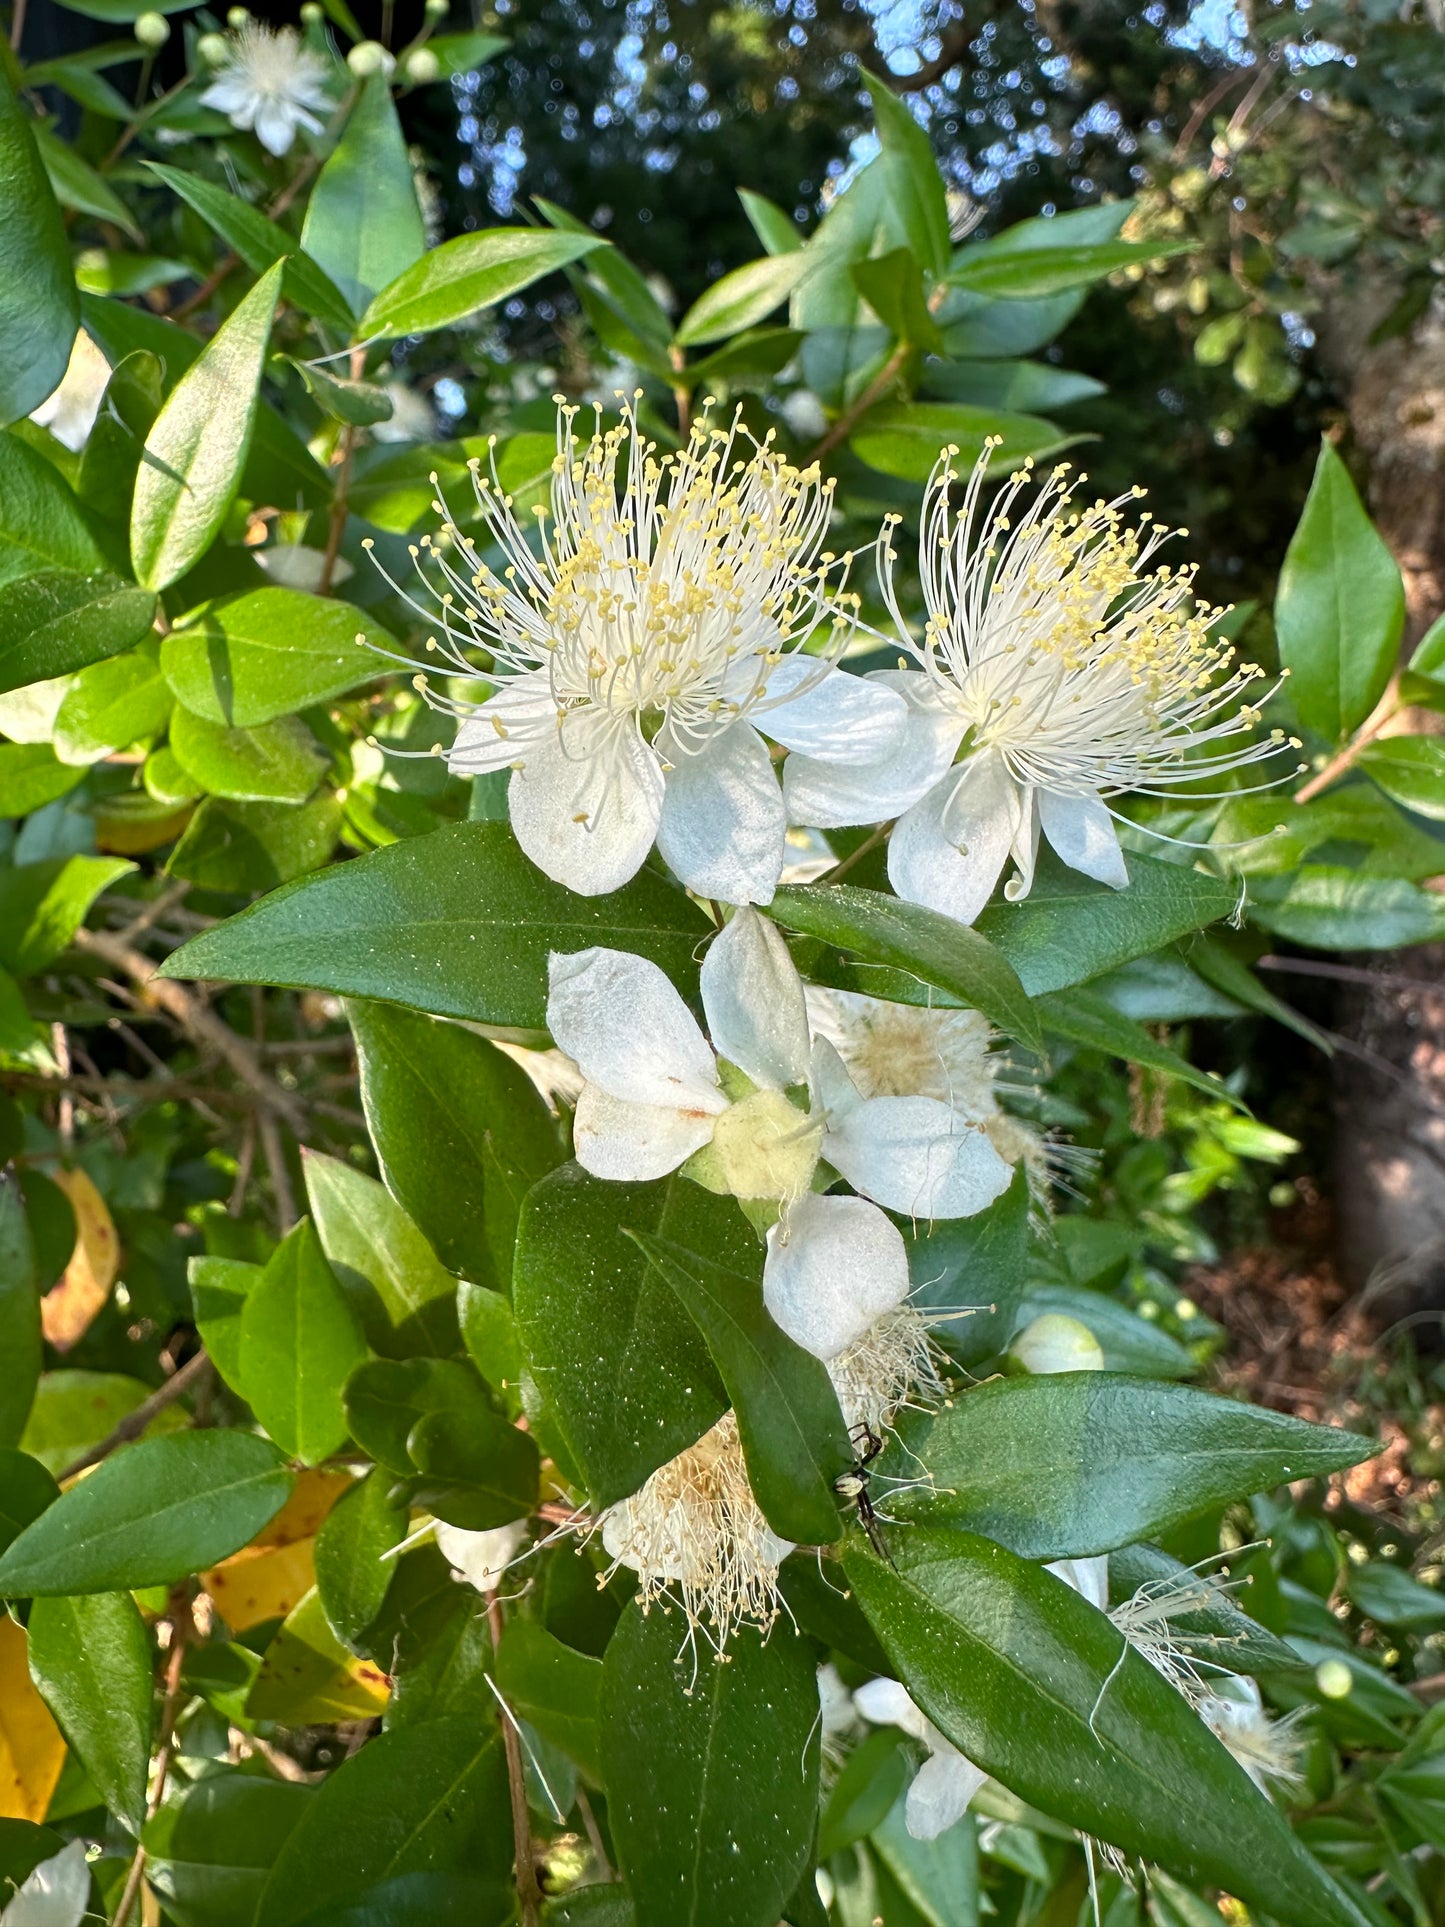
pixel 850 417
pixel 1384 711
pixel 170 1711
pixel 208 287
pixel 342 490
pixel 845 864
pixel 681 393
pixel 17 24
pixel 594 1836
pixel 528 1891
pixel 275 1156
pixel 134 1423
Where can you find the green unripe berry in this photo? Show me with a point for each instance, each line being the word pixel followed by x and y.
pixel 422 66
pixel 1334 1679
pixel 213 48
pixel 152 30
pixel 237 18
pixel 370 57
pixel 312 15
pixel 1056 1343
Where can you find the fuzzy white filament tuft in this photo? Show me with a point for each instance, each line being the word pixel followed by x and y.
pixel 642 642
pixel 1065 663
pixel 694 1531
pixel 270 82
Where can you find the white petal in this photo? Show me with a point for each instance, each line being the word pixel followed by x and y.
pixel 834 716
pixel 1088 1577
pixel 506 728
pixel 55 1893
pixel 629 1032
pixel 832 1270
pixel 834 1091
pixel 635 1143
pixel 1082 833
pixel 886 1703
pixel 917 1156
pixel 723 829
pixel 753 997
pixel 480 1558
pixel 587 805
pixel 1024 849
pixel 831 795
pixel 978 809
pixel 229 94
pixel 275 125
pixel 940 1793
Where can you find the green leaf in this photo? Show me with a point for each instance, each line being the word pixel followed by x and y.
pixel 1218 1628
pixel 56 620
pixel 386 1396
pixel 1025 274
pixel 553 1688
pixel 1411 769
pixel 197 448
pixel 260 243
pixel 76 184
pixel 26 1489
pixel 363 225
pixel 246 847
pixel 219 1289
pixel 227 1836
pixel 39 306
pixel 42 525
pixel 150 1514
pixel 892 285
pixel 352 1571
pixel 477 1471
pixel 625 1374
pixel 712 1787
pixel 915 191
pixel 1075 1463
pixel 792 1431
pixel 743 298
pixel 1041 1691
pixel 1332 908
pixel 463 276
pixel 300 1342
pixel 361 403
pixel 264 654
pixel 1340 608
pixel 612 277
pixel 979 1265
pixel 457 922
pixel 90 1657
pixel 1069 929
pixel 110 706
pixel 434 1638
pixel 904 438
pixel 75 1410
pixel 1086 1018
pixel 429 1798
pixel 436 1899
pixel 875 1773
pixel 909 938
pixel 460 1133
pixel 20 1341
pixel 307 1677
pixel 773 225
pixel 278 762
pixel 42 905
pixel 463 53
pixel 404 1299
pixel 489 1331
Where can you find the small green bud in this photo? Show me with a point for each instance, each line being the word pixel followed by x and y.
pixel 1056 1343
pixel 312 15
pixel 437 9
pixel 1334 1679
pixel 237 18
pixel 152 30
pixel 422 66
pixel 213 48
pixel 370 57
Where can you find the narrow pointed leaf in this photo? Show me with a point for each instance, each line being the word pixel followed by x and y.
pixel 472 272
pixel 39 305
pixel 90 1657
pixel 363 224
pixel 300 1342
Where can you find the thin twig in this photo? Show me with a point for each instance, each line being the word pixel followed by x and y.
pixel 866 847
pixel 17 24
pixel 275 1156
pixel 594 1836
pixel 157 908
pixel 875 391
pixel 528 1891
pixel 134 1423
pixel 170 1711
pixel 1383 713
pixel 1348 974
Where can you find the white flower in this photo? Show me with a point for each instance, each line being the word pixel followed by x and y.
pixel 656 1093
pixel 480 1558
pixel 295 566
pixel 270 82
pixel 1267 1749
pixel 69 412
pixel 411 420
pixel 643 648
pixel 55 1894
pixel 1064 667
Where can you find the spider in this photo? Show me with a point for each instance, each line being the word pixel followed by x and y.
pixel 853 1487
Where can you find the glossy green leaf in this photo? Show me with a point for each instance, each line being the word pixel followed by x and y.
pixel 978 1266
pixel 257 656
pixel 91 1658
pixel 352 1570
pixel 1340 608
pixel 110 706
pixel 873 1776
pixel 489 1331
pixel 363 226
pixel 1029 387
pixel 743 298
pixel 1069 929
pixel 20 1341
pixel 626 1376
pixel 75 183
pixel 429 1798
pixel 1329 907
pixel 476 1470
pixel 360 403
pixel 713 1786
pixel 919 942
pixel 56 620
pixel 904 438
pixel 892 285
pixel 219 1289
pixel 42 905
pixel 773 225
pixel 828 1612
pixel 404 1299
pixel 32 775
pixel 26 1489
pixel 553 1688
pixel 197 448
pixel 463 53
pixel 914 185
pixel 792 1431
pixel 1411 769
pixel 489 920
pixel 386 1396
pixel 300 1342
pixel 1076 1463
pixel 460 1132
pixel 247 847
pixel 1003 272
pixel 42 525
pixel 424 1900
pixel 150 1514
pixel 1042 1692
pixel 1083 1017
pixel 464 275
pixel 225 1840
pixel 279 762
pixel 260 243
pixel 434 1638
pixel 39 306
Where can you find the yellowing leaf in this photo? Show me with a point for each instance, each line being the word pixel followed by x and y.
pixel 32 1751
pixel 67 1310
pixel 307 1674
pixel 300 1518
pixel 269 1578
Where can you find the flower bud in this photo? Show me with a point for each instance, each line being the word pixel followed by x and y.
pixel 1334 1679
pixel 370 57
pixel 421 66
pixel 213 48
pixel 152 30
pixel 437 9
pixel 312 15
pixel 237 18
pixel 1056 1343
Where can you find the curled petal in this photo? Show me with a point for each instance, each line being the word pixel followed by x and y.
pixel 507 728
pixel 753 997
pixel 832 794
pixel 940 1793
pixel 828 714
pixel 949 849
pixel 834 1266
pixel 1082 834
pixel 722 829
pixel 629 1031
